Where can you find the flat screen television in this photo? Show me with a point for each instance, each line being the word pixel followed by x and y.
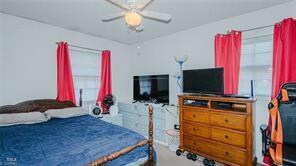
pixel 208 81
pixel 152 88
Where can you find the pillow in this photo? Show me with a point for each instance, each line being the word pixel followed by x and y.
pixel 65 112
pixel 22 118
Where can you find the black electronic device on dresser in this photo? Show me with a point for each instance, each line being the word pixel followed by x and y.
pixel 208 83
pixel 204 81
pixel 151 88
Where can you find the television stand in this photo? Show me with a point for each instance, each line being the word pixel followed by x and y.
pixel 217 128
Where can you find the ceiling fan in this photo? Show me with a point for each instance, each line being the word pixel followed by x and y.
pixel 134 13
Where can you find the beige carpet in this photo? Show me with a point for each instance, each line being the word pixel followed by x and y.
pixel 165 157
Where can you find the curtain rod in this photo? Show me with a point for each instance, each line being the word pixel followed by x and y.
pixel 85 48
pixel 262 27
pixel 252 29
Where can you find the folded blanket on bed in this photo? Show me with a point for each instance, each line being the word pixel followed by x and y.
pixel 72 141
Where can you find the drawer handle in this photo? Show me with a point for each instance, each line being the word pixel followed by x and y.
pixel 194 129
pixel 226 136
pixel 226 120
pixel 226 153
pixel 194 116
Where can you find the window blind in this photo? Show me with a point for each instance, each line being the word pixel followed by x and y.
pixel 86 68
pixel 256 64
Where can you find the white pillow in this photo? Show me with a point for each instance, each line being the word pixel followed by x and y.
pixel 22 118
pixel 65 112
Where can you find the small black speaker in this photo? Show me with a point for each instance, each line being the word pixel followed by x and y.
pixel 97 111
pixel 252 88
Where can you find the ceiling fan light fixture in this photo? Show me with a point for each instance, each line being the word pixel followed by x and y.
pixel 133 19
pixel 134 13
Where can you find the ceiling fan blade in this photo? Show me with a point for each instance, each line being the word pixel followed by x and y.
pixel 112 17
pixel 143 5
pixel 118 4
pixel 163 17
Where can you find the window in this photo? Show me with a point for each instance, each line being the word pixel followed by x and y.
pixel 86 66
pixel 256 64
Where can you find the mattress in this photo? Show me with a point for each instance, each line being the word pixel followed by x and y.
pixel 72 141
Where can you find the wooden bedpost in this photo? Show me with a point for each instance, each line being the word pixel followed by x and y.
pixel 150 133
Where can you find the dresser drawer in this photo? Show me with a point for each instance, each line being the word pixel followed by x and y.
pixel 132 125
pixel 126 107
pixel 129 117
pixel 228 153
pixel 159 135
pixel 196 144
pixel 229 137
pixel 158 112
pixel 143 111
pixel 196 115
pixel 231 121
pixel 197 129
pixel 157 123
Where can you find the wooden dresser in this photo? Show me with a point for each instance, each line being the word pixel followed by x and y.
pixel 217 128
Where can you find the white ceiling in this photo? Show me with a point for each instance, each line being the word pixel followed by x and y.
pixel 85 15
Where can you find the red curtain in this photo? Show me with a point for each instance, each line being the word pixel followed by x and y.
pixel 284 58
pixel 284 54
pixel 106 84
pixel 65 85
pixel 227 56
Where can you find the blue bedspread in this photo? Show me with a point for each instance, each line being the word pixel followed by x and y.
pixel 71 141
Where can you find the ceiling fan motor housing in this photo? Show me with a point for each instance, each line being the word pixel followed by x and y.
pixel 132 18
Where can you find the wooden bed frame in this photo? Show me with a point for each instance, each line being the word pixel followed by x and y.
pixel 45 104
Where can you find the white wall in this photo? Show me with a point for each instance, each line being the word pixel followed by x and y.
pixel 157 56
pixel 29 56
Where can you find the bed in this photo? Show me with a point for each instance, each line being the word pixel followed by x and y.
pixel 80 140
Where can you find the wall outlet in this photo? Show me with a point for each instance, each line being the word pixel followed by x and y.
pixel 177 127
